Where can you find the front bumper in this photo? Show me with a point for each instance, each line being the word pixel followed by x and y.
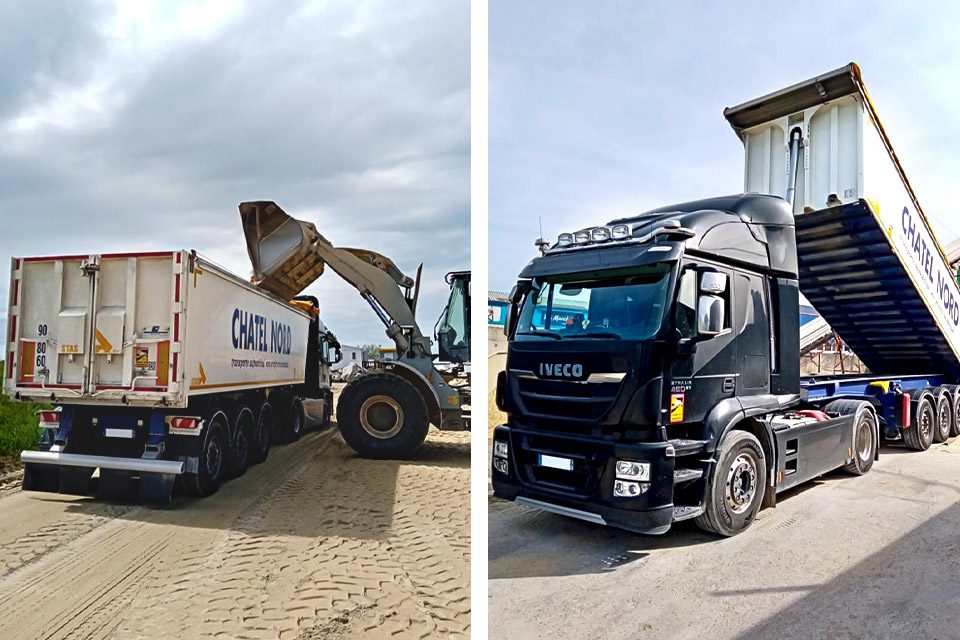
pixel 586 492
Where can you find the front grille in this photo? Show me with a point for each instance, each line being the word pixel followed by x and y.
pixel 566 401
pixel 589 459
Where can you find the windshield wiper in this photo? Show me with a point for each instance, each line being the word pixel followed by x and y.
pixel 597 334
pixel 541 332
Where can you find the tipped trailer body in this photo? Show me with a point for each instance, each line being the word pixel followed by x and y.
pixel 671 388
pixel 161 365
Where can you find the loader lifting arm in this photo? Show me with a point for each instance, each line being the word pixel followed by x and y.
pixel 384 414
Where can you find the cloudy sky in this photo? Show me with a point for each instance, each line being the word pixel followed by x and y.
pixel 139 124
pixel 603 109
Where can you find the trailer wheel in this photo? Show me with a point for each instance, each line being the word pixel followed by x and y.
pixel 213 454
pixel 242 446
pixel 944 412
pixel 261 434
pixel 919 435
pixel 381 415
pixel 865 433
pixel 737 485
pixel 954 393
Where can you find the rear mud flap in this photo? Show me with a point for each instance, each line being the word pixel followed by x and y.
pixel 75 481
pixel 41 477
pixel 156 489
pixel 116 486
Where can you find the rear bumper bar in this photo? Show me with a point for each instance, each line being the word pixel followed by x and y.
pixel 168 467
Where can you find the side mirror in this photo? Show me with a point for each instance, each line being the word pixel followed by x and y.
pixel 508 321
pixel 711 315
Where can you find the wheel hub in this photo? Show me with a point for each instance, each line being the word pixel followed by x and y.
pixel 381 416
pixel 213 457
pixel 864 439
pixel 741 483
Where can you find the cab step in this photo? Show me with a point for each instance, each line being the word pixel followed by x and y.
pixel 686 512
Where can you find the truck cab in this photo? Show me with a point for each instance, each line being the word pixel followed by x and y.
pixel 636 347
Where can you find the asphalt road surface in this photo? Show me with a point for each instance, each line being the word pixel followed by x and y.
pixel 842 557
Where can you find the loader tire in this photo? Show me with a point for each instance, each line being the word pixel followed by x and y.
pixel 919 435
pixel 737 484
pixel 382 416
pixel 213 460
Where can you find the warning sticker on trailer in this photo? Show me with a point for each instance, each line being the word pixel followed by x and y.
pixel 143 357
pixel 676 407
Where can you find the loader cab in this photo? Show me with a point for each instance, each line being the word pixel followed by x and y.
pixel 453 328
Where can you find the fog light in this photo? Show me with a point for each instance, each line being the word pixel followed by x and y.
pixel 627 489
pixel 564 239
pixel 500 465
pixel 619 231
pixel 599 234
pixel 500 448
pixel 582 236
pixel 630 470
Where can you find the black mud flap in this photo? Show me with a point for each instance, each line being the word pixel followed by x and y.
pixel 41 477
pixel 75 481
pixel 116 486
pixel 156 489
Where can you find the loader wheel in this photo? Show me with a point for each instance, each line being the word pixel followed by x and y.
pixel 242 446
pixel 944 412
pixel 737 484
pixel 261 434
pixel 213 453
pixel 865 433
pixel 919 435
pixel 382 416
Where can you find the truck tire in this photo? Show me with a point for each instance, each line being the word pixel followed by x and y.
pixel 919 435
pixel 382 416
pixel 296 421
pixel 262 434
pixel 865 433
pixel 213 454
pixel 945 415
pixel 736 487
pixel 241 446
pixel 954 391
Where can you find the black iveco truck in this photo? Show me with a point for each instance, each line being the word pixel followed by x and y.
pixel 653 373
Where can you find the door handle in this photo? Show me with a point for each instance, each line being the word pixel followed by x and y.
pixel 728 384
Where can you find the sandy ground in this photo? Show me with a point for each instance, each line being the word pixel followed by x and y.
pixel 315 543
pixel 871 557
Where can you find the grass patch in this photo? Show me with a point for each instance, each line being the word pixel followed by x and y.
pixel 18 424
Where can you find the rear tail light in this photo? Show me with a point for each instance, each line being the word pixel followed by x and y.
pixel 49 419
pixel 185 423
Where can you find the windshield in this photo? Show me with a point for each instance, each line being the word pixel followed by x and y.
pixel 625 304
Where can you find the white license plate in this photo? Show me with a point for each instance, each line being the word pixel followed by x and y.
pixel 554 462
pixel 118 433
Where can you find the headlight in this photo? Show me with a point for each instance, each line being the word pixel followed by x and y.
pixel 500 448
pixel 630 470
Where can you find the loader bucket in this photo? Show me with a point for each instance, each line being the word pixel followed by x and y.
pixel 279 249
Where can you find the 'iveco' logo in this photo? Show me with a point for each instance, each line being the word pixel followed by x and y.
pixel 561 370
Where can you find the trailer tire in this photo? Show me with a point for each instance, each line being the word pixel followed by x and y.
pixel 262 434
pixel 213 453
pixel 736 486
pixel 945 415
pixel 382 416
pixel 241 447
pixel 954 391
pixel 919 435
pixel 865 433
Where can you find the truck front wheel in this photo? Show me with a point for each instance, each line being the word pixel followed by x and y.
pixel 382 416
pixel 213 453
pixel 737 484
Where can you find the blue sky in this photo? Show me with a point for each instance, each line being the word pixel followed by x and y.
pixel 141 124
pixel 602 109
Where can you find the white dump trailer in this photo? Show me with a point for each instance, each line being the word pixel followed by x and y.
pixel 161 364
